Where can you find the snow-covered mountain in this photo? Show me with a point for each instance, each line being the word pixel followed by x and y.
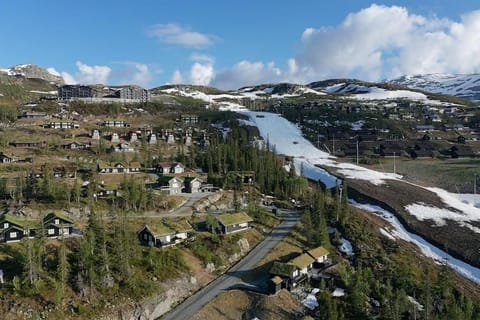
pixel 345 89
pixel 277 90
pixel 368 91
pixel 32 71
pixel 465 86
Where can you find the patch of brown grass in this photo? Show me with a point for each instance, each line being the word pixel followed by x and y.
pixel 203 277
pixel 237 304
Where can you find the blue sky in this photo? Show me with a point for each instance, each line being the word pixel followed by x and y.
pixel 231 44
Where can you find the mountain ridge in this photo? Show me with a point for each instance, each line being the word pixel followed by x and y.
pixel 456 89
pixel 466 86
pixel 33 71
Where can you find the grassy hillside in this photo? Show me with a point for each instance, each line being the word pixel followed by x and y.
pixel 18 89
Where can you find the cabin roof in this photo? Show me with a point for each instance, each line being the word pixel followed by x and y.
pixel 277 280
pixel 318 252
pixel 302 261
pixel 228 219
pixel 282 269
pixel 52 215
pixel 12 219
pixel 169 227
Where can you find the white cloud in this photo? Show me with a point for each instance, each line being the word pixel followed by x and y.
pixel 143 76
pixel 445 47
pixel 198 57
pixel 88 74
pixel 382 41
pixel 53 72
pixel 68 78
pixel 202 73
pixel 359 46
pixel 173 33
pixel 372 44
pixel 124 73
pixel 177 77
pixel 133 73
pixel 247 73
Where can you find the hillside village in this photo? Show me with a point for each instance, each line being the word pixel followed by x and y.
pixel 124 189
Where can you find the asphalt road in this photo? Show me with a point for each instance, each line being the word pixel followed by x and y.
pixel 231 279
pixel 185 209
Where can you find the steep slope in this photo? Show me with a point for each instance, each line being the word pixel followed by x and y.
pixel 466 86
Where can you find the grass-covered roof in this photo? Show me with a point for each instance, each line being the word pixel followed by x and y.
pixel 228 219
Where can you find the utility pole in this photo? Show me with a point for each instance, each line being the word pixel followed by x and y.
pixel 394 167
pixel 357 151
pixel 474 183
pixel 333 147
pixel 340 190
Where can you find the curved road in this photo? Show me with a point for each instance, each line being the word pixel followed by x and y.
pixel 231 279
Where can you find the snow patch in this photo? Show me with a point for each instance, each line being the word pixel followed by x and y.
pixel 231 106
pixel 415 303
pixel 246 122
pixel 311 300
pixel 352 171
pixel 346 247
pixel 424 212
pixel 54 92
pixel 338 292
pixel 461 208
pixel 360 92
pixel 387 234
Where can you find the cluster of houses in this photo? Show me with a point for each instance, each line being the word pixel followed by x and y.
pixel 165 233
pixel 168 232
pixel 306 266
pixel 54 225
pixel 151 137
pixel 8 158
pixel 424 147
pixel 453 129
pixel 61 125
pixel 186 133
pixel 169 184
pixel 426 141
pixel 118 167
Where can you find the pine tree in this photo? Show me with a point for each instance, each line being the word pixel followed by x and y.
pixel 358 294
pixel 427 296
pixel 63 270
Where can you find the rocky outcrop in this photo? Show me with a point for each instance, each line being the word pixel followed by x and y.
pixel 212 202
pixel 32 71
pixel 154 307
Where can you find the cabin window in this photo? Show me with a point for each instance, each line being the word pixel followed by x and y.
pixel 51 231
pixel 5 225
pixel 57 221
pixel 13 235
pixel 145 236
pixel 65 231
